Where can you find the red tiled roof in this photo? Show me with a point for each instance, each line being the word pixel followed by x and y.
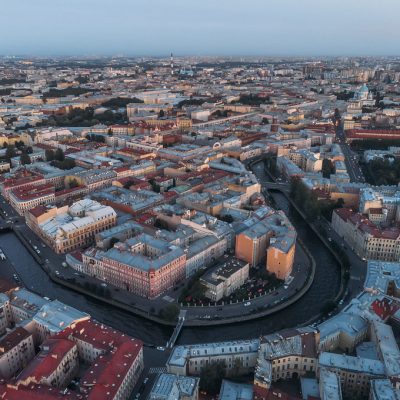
pixel 47 360
pixel 69 190
pixel 104 377
pixel 365 225
pixel 373 133
pixel 36 392
pixel 384 308
pixel 38 211
pixel 33 192
pixel 121 169
pixel 12 339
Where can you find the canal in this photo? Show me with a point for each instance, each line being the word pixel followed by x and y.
pixel 325 286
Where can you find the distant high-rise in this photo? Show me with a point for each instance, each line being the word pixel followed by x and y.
pixel 172 64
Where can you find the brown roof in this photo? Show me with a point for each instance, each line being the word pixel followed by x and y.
pixel 13 339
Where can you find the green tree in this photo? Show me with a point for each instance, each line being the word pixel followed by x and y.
pixel 211 377
pixel 169 313
pixel 73 183
pixel 161 114
pixel 49 155
pixel 59 155
pixel 10 152
pixel 19 144
pixel 327 168
pixel 25 159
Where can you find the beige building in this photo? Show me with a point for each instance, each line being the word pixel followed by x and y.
pixel 355 373
pixel 284 355
pixel 170 386
pixel 16 350
pixel 239 356
pixel 222 280
pixel 67 228
pixel 365 238
pixel 55 365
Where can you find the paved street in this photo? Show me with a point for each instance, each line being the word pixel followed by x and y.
pixel 351 159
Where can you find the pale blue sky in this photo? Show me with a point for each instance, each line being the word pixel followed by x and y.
pixel 200 27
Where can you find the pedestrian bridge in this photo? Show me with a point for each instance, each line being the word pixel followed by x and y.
pixel 177 330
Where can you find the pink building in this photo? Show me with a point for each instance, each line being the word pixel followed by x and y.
pixel 143 265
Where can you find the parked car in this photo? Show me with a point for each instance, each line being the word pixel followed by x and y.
pixel 248 303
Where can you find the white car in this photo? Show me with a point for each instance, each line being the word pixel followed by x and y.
pixel 247 304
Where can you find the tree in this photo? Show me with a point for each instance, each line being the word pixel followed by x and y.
pixel 29 150
pixel 211 376
pixel 327 168
pixel 66 164
pixel 169 313
pixel 49 155
pixel 25 159
pixel 161 114
pixel 227 218
pixel 19 144
pixel 59 155
pixel 73 183
pixel 10 152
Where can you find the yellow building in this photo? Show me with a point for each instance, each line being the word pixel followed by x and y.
pixel 12 139
pixel 270 237
pixel 280 259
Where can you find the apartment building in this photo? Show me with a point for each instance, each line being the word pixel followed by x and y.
pixel 355 373
pixel 239 356
pixel 68 228
pixel 55 364
pixel 223 279
pixel 16 350
pixel 25 198
pixel 170 386
pixel 365 237
pixel 271 239
pixel 144 265
pixel 116 360
pixel 285 354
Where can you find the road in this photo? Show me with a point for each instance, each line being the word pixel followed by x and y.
pixel 351 159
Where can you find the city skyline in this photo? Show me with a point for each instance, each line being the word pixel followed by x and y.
pixel 154 28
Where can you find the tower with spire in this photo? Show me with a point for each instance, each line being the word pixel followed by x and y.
pixel 172 64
